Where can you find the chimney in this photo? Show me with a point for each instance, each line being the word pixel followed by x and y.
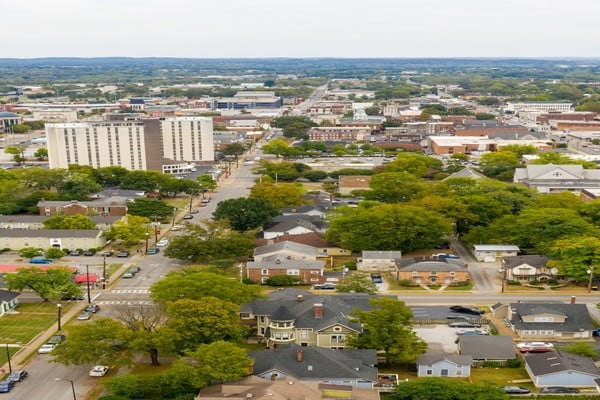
pixel 573 299
pixel 299 356
pixel 300 297
pixel 318 308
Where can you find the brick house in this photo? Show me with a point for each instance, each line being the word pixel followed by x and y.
pixel 442 271
pixel 308 271
pixel 108 207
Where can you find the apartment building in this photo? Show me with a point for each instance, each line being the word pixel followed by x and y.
pixel 168 144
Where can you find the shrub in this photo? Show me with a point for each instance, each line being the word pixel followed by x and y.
pixel 283 280
pixel 351 265
pixel 513 283
pixel 29 252
pixel 552 282
pixel 514 363
pixel 54 253
pixel 405 283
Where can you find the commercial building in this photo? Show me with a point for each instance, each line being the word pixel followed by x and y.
pixel 169 145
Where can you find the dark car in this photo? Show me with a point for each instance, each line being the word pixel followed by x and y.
pixel 153 250
pixel 558 389
pixel 376 278
pixel 93 308
pixel 88 253
pixel 188 216
pixel 17 376
pixel 107 253
pixel 6 386
pixel 467 310
pixel 123 254
pixel 324 286
pixel 194 211
pixel 56 339
pixel 515 390
pixel 135 270
pixel 453 316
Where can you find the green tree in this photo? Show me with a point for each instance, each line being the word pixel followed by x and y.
pixel 203 321
pixel 500 164
pixel 561 159
pixel 54 253
pixel 109 339
pixel 293 126
pixel 68 222
pixel 394 187
pixel 282 280
pixel 212 363
pixel 149 208
pixel 246 213
pixel 233 149
pixel 278 171
pixel 111 176
pixel 79 186
pixel 52 283
pixel 194 284
pixel 388 327
pixel 277 147
pixel 41 154
pixel 18 153
pixel 279 195
pixel 206 183
pixel 577 255
pixel 520 149
pixel 357 283
pixel 390 226
pixel 446 389
pixel 131 229
pixel 29 252
pixel 213 240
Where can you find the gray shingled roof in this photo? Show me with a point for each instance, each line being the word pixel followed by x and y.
pixel 430 359
pixel 438 265
pixel 287 225
pixel 558 361
pixel 386 255
pixel 535 260
pixel 578 316
pixel 318 363
pixel 282 262
pixel 32 219
pixel 485 347
pixel 467 172
pixel 282 314
pixel 7 295
pixel 51 233
pixel 336 308
pixel 287 245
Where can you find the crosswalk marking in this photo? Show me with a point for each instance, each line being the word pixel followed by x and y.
pixel 122 291
pixel 127 302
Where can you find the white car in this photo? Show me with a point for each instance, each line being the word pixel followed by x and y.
pixel 177 227
pixel 46 348
pixel 162 242
pixel 99 370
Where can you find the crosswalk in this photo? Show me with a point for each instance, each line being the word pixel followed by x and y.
pixel 129 291
pixel 126 302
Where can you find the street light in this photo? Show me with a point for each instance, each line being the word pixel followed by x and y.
pixel 72 385
pixel 103 271
pixel 8 357
pixel 591 272
pixel 87 279
pixel 59 308
pixel 147 234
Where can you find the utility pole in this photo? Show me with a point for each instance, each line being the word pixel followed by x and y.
pixel 104 272
pixel 8 357
pixel 87 274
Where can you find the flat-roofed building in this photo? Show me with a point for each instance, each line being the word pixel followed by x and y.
pixel 165 144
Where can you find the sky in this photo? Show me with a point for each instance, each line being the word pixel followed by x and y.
pixel 307 28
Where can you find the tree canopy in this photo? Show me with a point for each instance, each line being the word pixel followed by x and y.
pixel 68 222
pixel 388 327
pixel 52 283
pixel 446 389
pixel 246 213
pixel 279 195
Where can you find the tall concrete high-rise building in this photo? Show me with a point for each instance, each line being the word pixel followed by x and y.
pixel 170 145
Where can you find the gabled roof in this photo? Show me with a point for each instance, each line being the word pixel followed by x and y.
pixel 386 255
pixel 253 387
pixel 496 247
pixel 430 359
pixel 286 246
pixel 577 316
pixel 318 363
pixel 7 295
pixel 485 347
pixel 336 309
pixel 558 361
pixel 276 261
pixel 535 260
pixel 467 172
pixel 288 225
pixel 38 219
pixel 282 314
pixel 441 265
pixel 310 239
pixel 51 233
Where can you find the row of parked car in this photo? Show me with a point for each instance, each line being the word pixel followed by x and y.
pixel 10 381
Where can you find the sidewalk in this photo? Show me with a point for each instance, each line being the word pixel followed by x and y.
pixel 21 358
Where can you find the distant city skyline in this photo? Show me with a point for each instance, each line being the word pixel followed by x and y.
pixel 309 28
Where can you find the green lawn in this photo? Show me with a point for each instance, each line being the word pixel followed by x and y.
pixel 500 376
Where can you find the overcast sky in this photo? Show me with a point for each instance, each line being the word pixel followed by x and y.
pixel 307 28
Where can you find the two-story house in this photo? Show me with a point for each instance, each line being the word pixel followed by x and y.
pixel 539 321
pixel 286 249
pixel 528 268
pixel 423 271
pixel 308 271
pixel 294 316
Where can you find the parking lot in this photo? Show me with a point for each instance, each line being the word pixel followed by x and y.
pixel 440 338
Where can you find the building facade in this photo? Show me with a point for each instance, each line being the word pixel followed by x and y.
pixel 167 144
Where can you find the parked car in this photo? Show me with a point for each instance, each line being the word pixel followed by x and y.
pixel 376 278
pixel 515 390
pixel 153 250
pixel 535 347
pixel 188 216
pixel 6 386
pixel 17 376
pixel 84 316
pixel 324 286
pixel 93 308
pixel 46 348
pixel 558 389
pixel 162 242
pixel 135 269
pixel 88 253
pixel 596 332
pixel 99 370
pixel 444 255
pixel 177 227
pixel 75 253
pixel 463 325
pixel 123 253
pixel 56 339
pixel 467 310
pixel 107 253
pixel 206 200
pixel 454 316
pixel 40 260
pixel 128 275
pixel 194 211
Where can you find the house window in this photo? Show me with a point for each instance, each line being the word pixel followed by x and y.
pixel 264 271
pixel 444 372
pixel 429 372
pixel 263 279
pixel 293 271
pixel 338 338
pixel 459 372
pixel 452 273
pixel 337 328
pixel 415 273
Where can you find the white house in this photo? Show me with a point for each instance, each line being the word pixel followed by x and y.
pixel 444 365
pixel 378 260
pixel 491 252
pixel 557 368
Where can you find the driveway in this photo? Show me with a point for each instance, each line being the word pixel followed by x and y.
pixel 439 338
